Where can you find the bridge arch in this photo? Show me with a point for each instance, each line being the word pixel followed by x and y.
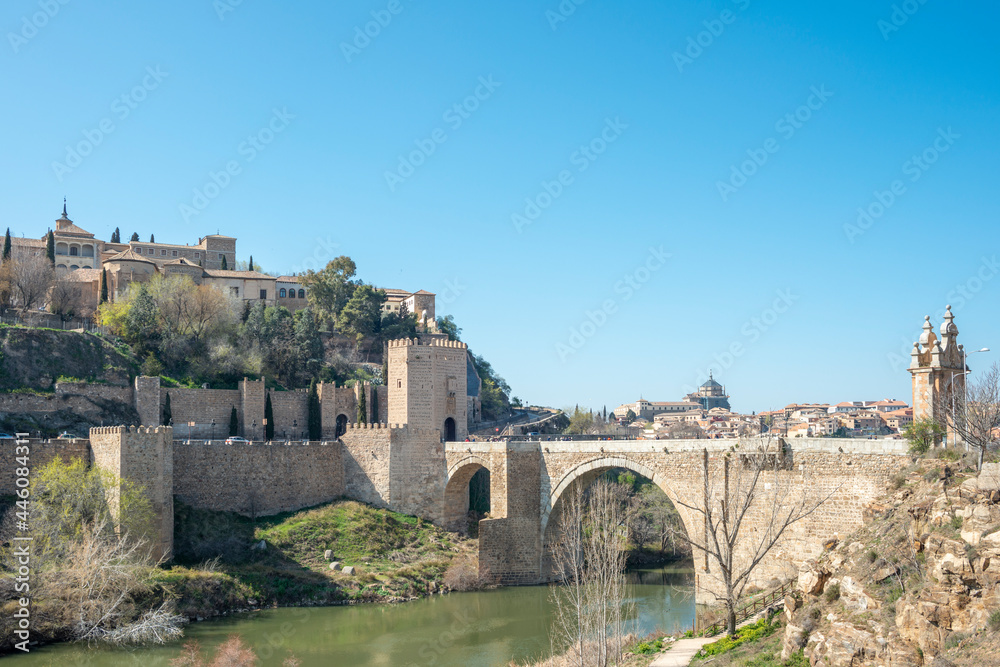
pixel 456 492
pixel 584 474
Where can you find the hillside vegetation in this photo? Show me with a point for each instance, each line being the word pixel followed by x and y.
pixel 36 358
pixel 282 560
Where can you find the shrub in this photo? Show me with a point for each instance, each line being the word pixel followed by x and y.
pixel 898 480
pixel 956 522
pixel 832 593
pixel 995 621
pixel 758 630
pixel 463 574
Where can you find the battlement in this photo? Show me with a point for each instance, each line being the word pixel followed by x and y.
pixel 371 427
pixel 435 342
pixel 118 430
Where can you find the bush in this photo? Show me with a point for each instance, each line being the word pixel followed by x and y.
pixel 832 593
pixel 762 628
pixel 463 574
pixel 995 621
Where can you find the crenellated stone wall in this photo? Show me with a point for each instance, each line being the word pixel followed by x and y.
pixel 40 454
pixel 257 479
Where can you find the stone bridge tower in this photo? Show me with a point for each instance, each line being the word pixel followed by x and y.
pixel 428 385
pixel 937 366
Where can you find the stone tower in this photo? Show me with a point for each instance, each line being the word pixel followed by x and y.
pixel 937 366
pixel 428 387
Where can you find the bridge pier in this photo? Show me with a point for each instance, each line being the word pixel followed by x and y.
pixel 510 548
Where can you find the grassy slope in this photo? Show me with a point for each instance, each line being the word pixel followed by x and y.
pixel 397 557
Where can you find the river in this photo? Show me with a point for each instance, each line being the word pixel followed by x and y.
pixel 461 629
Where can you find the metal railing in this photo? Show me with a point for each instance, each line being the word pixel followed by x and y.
pixel 751 608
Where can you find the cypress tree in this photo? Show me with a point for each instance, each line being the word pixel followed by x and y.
pixel 269 418
pixel 375 419
pixel 6 245
pixel 250 265
pixel 50 246
pixel 135 236
pixel 116 236
pixel 315 418
pixel 152 238
pixel 225 266
pixel 234 422
pixel 167 412
pixel 363 406
pixel 104 286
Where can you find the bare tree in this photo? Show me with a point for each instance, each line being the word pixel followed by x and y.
pixel 746 511
pixel 592 607
pixel 31 277
pixel 975 415
pixel 65 299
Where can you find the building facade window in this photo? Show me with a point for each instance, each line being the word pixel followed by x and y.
pixel 163 252
pixel 221 256
pixel 281 293
pixel 302 294
pixel 263 294
pixel 175 253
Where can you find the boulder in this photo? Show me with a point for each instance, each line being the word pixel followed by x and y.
pixel 812 579
pixel 336 565
pixel 989 477
pixel 795 640
pixel 328 554
pixel 349 570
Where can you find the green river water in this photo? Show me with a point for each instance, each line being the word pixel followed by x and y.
pixel 461 629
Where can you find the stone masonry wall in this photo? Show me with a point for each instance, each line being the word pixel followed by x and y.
pixel 201 406
pixel 417 473
pixel 291 414
pixel 40 454
pixel 141 455
pixel 258 479
pixel 367 451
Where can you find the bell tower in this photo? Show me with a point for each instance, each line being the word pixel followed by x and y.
pixel 938 371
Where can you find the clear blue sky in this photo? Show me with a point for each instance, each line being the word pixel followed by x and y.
pixel 680 120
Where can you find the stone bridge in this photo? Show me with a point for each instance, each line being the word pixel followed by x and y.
pixel 530 480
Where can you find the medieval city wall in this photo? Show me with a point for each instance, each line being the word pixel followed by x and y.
pixel 366 455
pixel 201 406
pixel 40 454
pixel 257 479
pixel 417 472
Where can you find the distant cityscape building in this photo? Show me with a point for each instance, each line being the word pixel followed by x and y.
pixel 710 395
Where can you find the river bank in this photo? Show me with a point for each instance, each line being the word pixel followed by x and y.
pixel 475 629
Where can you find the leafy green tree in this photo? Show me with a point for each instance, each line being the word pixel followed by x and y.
pixel 314 416
pixel 268 419
pixel 135 237
pixel 234 422
pixel 329 289
pixel 50 246
pixel 142 320
pixel 6 245
pixel 104 287
pixel 395 326
pixel 922 434
pixel 362 405
pixel 629 416
pixel 168 414
pixel 308 341
pixel 580 422
pixel 446 325
pixel 361 316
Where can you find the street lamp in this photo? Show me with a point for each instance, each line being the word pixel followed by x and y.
pixel 213 428
pixel 295 427
pixel 254 427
